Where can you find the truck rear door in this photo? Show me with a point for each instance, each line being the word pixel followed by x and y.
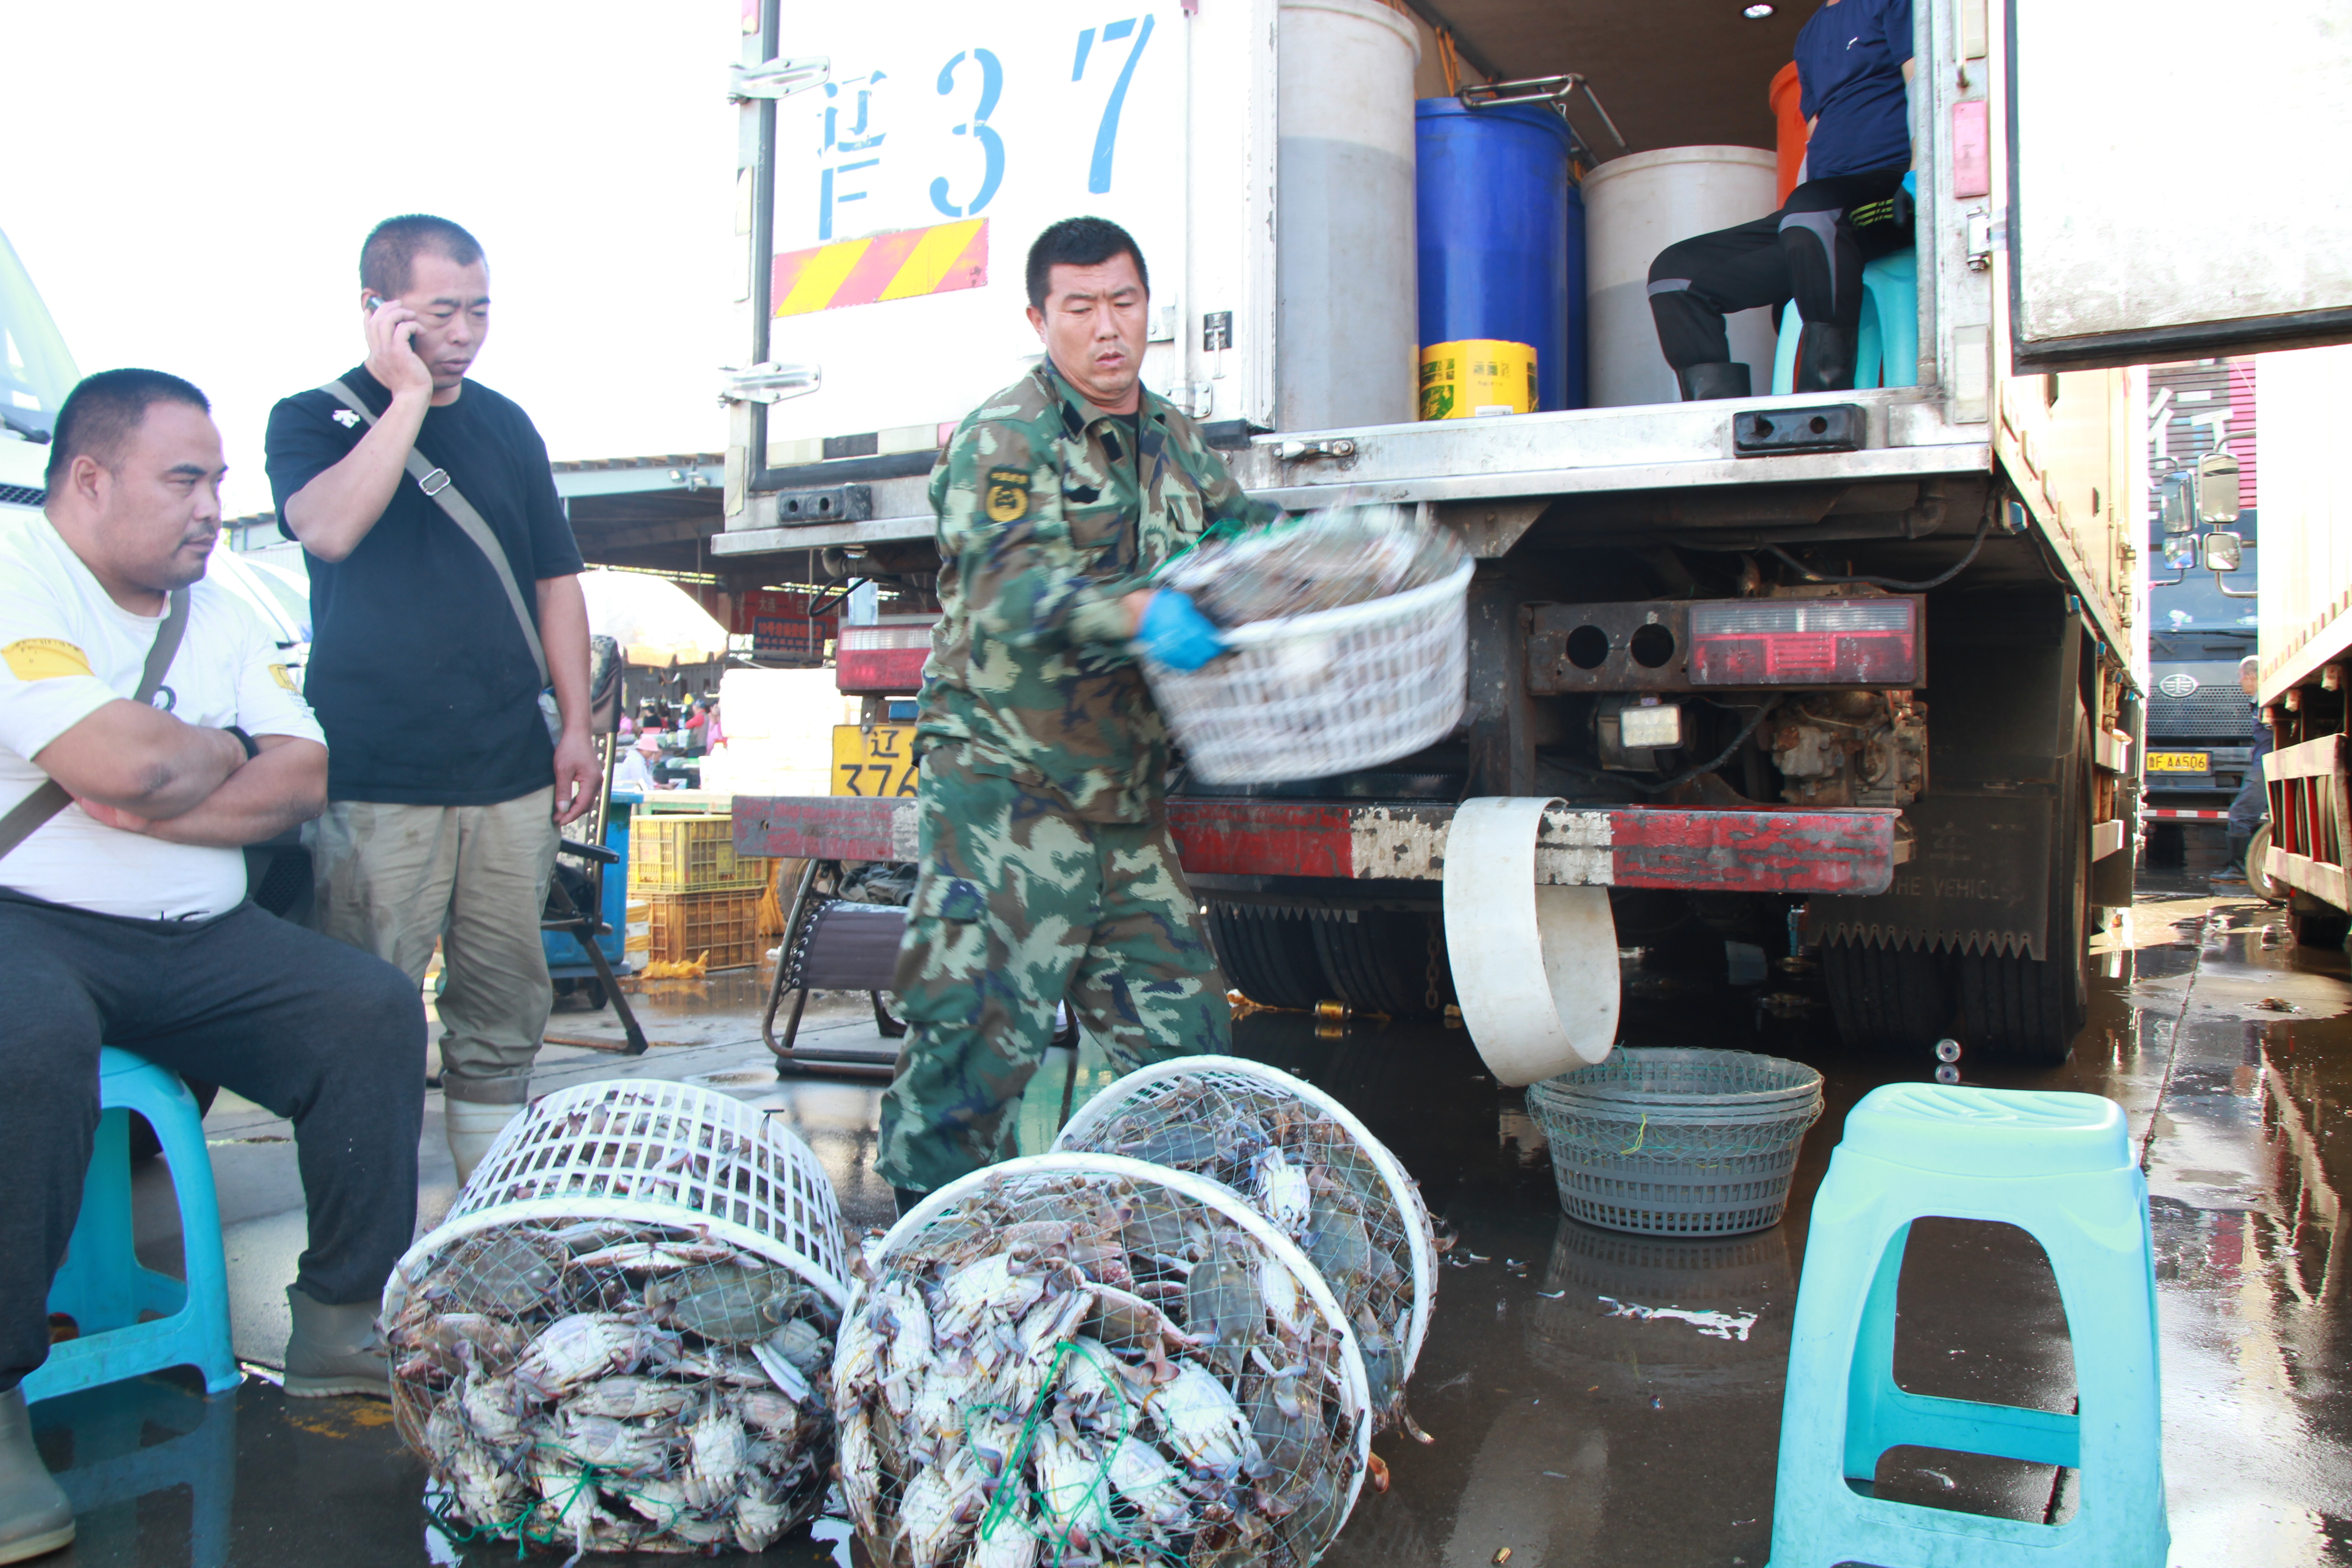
pixel 945 136
pixel 2174 186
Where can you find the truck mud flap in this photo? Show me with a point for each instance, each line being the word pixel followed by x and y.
pixel 1979 881
pixel 2002 728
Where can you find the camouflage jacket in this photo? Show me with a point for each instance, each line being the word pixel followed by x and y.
pixel 1047 520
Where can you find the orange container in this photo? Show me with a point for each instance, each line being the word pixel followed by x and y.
pixel 1786 95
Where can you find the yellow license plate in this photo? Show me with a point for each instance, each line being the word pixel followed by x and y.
pixel 877 762
pixel 2178 762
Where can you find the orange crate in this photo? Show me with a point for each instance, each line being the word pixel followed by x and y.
pixel 686 854
pixel 682 927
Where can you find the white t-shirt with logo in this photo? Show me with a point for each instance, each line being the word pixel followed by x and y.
pixel 66 650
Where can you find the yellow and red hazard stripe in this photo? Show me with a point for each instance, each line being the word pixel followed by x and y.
pixel 904 265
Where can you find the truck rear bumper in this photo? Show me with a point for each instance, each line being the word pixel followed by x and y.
pixel 1852 852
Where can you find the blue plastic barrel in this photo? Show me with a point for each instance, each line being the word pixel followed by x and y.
pixel 1502 237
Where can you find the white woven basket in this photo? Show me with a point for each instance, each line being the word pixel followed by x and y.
pixel 936 1225
pixel 1325 692
pixel 658 1153
pixel 1245 1080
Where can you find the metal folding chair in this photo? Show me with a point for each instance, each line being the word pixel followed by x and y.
pixel 563 912
pixel 830 944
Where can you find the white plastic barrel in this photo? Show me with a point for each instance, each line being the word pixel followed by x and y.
pixel 1633 208
pixel 1347 324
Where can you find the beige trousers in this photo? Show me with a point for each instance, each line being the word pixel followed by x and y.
pixel 390 878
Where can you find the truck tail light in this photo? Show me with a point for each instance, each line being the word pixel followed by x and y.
pixel 882 660
pixel 1805 642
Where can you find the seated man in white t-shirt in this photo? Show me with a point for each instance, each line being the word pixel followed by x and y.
pixel 123 915
pixel 635 770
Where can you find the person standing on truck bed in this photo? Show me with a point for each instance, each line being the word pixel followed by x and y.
pixel 432 613
pixel 1852 205
pixel 1046 870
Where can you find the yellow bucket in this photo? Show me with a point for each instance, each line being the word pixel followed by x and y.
pixel 1478 375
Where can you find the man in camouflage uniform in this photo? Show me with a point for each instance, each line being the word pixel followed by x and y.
pixel 1047 873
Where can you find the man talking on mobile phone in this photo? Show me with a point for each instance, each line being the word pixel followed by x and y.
pixel 445 599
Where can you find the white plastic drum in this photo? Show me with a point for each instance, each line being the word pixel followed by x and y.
pixel 1348 321
pixel 1633 208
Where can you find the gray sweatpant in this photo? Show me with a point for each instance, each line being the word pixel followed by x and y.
pixel 392 877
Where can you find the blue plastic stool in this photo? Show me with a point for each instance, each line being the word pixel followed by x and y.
pixel 1886 347
pixel 2057 1166
pixel 103 1287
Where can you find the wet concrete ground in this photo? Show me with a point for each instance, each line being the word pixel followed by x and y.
pixel 1563 1431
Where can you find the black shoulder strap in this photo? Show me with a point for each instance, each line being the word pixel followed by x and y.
pixel 436 482
pixel 51 798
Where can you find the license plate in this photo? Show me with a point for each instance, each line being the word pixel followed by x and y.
pixel 2178 762
pixel 877 762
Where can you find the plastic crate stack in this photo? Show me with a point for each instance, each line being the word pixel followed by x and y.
pixel 690 894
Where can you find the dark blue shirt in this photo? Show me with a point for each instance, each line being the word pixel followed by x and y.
pixel 419 670
pixel 1850 74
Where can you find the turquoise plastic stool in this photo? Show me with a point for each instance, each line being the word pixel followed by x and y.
pixel 103 1287
pixel 2059 1167
pixel 1886 347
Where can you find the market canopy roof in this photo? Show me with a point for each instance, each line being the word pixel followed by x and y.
pixel 655 622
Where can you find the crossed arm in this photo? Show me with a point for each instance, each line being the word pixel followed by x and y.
pixel 134 768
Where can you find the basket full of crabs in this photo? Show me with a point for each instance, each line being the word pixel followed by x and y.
pixel 622 1336
pixel 1316 1173
pixel 1080 1357
pixel 1347 644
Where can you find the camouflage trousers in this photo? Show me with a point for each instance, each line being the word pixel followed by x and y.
pixel 1021 904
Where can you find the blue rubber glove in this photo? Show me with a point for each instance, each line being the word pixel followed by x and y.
pixel 1911 183
pixel 1176 633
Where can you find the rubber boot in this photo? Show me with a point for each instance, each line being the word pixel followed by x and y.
pixel 1824 359
pixel 473 1128
pixel 335 1349
pixel 2235 871
pixel 35 1517
pixel 1703 382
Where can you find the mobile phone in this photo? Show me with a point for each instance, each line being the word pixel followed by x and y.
pixel 373 304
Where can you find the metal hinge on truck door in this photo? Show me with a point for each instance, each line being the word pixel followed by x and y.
pixel 777 79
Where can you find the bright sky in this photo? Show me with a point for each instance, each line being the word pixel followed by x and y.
pixel 189 185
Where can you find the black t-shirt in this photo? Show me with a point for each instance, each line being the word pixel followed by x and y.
pixel 418 672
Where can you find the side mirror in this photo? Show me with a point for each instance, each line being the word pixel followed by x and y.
pixel 2180 550
pixel 2177 510
pixel 2223 553
pixel 2217 488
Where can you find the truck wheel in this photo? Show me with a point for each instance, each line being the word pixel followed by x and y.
pixel 2315 923
pixel 1895 1000
pixel 1268 955
pixel 2025 1009
pixel 1379 961
pixel 2258 851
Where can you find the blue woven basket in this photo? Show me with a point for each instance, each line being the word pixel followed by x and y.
pixel 1676 1142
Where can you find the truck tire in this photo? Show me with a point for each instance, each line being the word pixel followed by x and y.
pixel 2025 1009
pixel 2257 852
pixel 1379 961
pixel 1890 1000
pixel 1268 955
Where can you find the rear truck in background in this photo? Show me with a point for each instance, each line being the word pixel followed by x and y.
pixel 2202 472
pixel 1863 666
pixel 2307 637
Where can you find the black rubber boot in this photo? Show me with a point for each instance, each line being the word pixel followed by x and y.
pixel 907 1199
pixel 1701 383
pixel 1824 359
pixel 2239 843
pixel 35 1517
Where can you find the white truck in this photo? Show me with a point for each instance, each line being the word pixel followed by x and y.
pixel 2305 570
pixel 1943 811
